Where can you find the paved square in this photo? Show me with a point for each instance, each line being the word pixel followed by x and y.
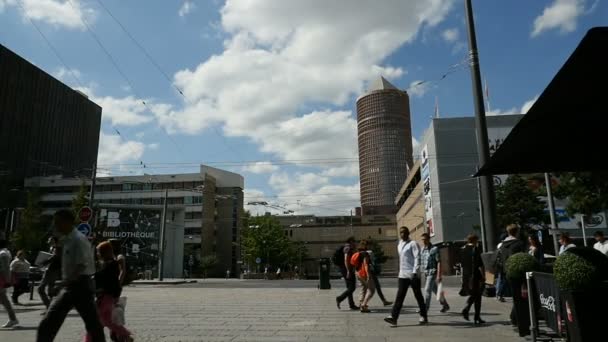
pixel 242 311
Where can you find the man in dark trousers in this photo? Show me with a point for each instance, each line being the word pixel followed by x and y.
pixel 77 267
pixel 348 273
pixel 409 275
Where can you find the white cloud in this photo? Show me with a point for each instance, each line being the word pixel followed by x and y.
pixel 123 111
pixel 450 35
pixel 67 75
pixel 153 146
pixel 498 111
pixel 58 13
pixel 561 14
pixel 418 88
pixel 187 8
pixel 140 135
pixel 260 168
pixel 282 56
pixel 351 169
pixel 113 150
pixel 528 104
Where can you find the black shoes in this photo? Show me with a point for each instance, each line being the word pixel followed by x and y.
pixel 387 303
pixel 423 321
pixel 479 321
pixel 354 308
pixel 338 303
pixel 445 309
pixel 465 314
pixel 390 320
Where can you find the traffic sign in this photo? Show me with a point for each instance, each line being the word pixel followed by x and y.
pixel 258 260
pixel 85 214
pixel 85 229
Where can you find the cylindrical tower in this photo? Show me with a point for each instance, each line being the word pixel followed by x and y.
pixel 385 145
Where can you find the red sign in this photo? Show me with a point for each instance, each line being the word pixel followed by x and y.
pixel 85 214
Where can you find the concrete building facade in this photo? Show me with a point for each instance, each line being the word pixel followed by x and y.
pixel 204 214
pixel 385 145
pixel 46 128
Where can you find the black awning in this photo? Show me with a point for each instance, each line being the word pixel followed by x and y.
pixel 567 128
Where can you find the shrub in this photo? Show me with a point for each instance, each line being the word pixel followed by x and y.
pixel 580 269
pixel 520 263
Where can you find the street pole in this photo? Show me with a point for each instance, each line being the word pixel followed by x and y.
pixel 583 228
pixel 486 182
pixel 93 181
pixel 484 244
pixel 551 202
pixel 161 243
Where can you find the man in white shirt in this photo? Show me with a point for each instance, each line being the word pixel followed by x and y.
pixel 5 280
pixel 77 267
pixel 601 244
pixel 409 275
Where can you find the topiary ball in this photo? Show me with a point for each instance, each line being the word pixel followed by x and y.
pixel 580 269
pixel 519 264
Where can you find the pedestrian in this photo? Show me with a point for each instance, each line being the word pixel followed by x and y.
pixel 601 243
pixel 374 272
pixel 566 242
pixel 77 267
pixel 473 278
pixel 361 262
pixel 227 273
pixel 409 275
pixel 431 268
pixel 266 272
pixel 510 245
pixel 536 249
pixel 52 273
pixel 122 261
pixel 108 291
pixel 501 281
pixel 5 283
pixel 279 276
pixel 20 269
pixel 341 259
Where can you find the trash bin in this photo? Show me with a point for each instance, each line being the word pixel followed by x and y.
pixel 324 268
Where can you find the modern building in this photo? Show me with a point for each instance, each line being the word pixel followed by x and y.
pixel 440 195
pixel 46 128
pixel 385 145
pixel 204 214
pixel 322 235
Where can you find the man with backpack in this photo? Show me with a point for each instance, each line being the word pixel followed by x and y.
pixel 341 259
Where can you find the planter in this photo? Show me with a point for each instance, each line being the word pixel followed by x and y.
pixel 585 318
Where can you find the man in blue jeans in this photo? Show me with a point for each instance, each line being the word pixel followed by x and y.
pixel 431 266
pixel 348 273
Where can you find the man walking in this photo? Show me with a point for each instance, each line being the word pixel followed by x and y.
pixel 409 269
pixel 52 274
pixel 5 281
pixel 342 260
pixel 431 266
pixel 601 243
pixel 77 267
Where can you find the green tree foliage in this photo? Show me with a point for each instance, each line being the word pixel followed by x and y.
pixel 30 234
pixel 587 192
pixel 81 199
pixel 208 262
pixel 517 203
pixel 264 238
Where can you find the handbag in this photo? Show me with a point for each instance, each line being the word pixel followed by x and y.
pixel 118 312
pixel 440 292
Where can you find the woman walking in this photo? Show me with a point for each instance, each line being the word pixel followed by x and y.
pixel 473 278
pixel 108 291
pixel 536 249
pixel 362 264
pixel 20 268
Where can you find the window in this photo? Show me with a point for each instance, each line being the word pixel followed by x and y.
pixel 379 231
pixel 147 187
pixel 290 233
pixel 126 187
pixel 188 200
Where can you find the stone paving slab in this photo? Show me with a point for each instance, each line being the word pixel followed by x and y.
pixel 162 313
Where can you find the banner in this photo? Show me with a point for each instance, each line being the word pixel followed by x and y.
pixel 547 295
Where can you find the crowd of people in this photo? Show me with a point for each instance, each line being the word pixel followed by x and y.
pixel 74 278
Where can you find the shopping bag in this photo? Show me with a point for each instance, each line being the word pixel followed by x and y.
pixel 440 292
pixel 118 312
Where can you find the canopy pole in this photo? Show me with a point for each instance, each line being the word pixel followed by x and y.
pixel 483 149
pixel 551 202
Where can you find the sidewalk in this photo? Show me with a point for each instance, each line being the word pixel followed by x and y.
pixel 165 313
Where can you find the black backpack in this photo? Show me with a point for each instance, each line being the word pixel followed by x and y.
pixel 338 258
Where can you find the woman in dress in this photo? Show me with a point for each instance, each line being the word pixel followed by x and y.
pixel 473 279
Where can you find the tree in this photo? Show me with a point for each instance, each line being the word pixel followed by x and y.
pixel 81 199
pixel 264 238
pixel 587 192
pixel 517 203
pixel 208 262
pixel 30 234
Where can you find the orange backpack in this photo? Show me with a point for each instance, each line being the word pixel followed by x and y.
pixel 356 260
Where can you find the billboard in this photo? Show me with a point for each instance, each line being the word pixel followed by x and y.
pixel 428 194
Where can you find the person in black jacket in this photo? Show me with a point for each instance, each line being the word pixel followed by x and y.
pixel 109 289
pixel 46 288
pixel 473 277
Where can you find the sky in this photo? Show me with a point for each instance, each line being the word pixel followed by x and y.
pixel 267 88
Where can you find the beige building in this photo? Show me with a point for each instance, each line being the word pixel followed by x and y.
pixel 322 235
pixel 410 204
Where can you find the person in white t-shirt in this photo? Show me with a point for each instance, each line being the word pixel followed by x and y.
pixel 5 281
pixel 601 244
pixel 77 269
pixel 566 242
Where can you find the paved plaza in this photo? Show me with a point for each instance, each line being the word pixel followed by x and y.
pixel 236 310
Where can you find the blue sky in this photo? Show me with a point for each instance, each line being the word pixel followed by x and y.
pixel 277 80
